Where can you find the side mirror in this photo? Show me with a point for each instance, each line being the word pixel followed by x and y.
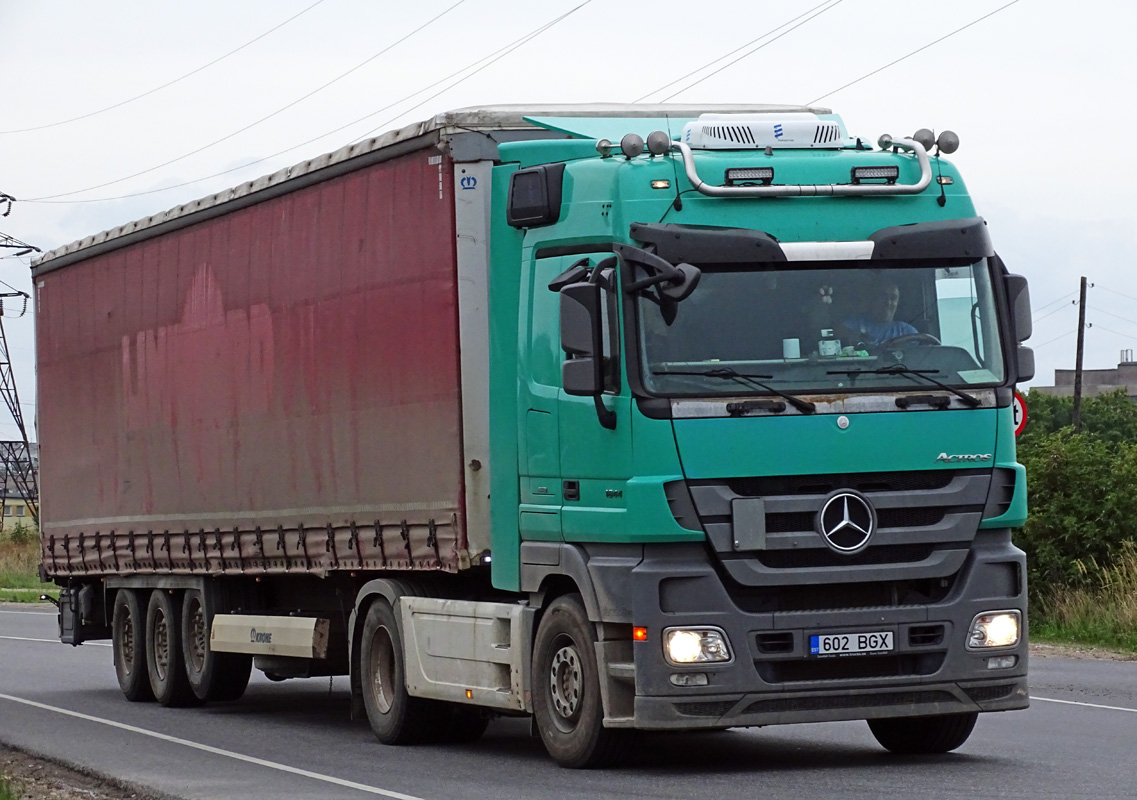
pixel 581 339
pixel 1025 363
pixel 1018 298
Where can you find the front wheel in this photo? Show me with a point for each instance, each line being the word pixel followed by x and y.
pixel 923 735
pixel 566 690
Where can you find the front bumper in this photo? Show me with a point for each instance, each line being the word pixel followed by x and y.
pixel 773 679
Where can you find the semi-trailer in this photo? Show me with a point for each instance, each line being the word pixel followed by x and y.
pixel 622 417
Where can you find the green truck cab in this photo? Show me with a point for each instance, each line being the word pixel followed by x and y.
pixel 757 383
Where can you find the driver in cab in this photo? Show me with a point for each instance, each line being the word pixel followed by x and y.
pixel 876 324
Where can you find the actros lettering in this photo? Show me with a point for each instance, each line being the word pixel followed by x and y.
pixel 956 459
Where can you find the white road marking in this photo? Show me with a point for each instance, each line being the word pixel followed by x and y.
pixel 1087 705
pixel 32 613
pixel 215 750
pixel 50 641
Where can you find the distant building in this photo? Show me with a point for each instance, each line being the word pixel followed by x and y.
pixel 1096 381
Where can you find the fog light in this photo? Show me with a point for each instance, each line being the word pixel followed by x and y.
pixel 690 679
pixel 994 629
pixel 1002 662
pixel 695 645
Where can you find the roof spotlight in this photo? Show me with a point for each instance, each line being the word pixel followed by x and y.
pixel 925 137
pixel 658 143
pixel 604 148
pixel 884 142
pixel 632 145
pixel 948 142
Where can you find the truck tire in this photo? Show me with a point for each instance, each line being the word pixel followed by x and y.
pixel 395 716
pixel 164 660
pixel 128 638
pixel 923 735
pixel 566 690
pixel 211 676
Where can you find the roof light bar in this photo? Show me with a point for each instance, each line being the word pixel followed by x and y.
pixel 888 174
pixel 762 175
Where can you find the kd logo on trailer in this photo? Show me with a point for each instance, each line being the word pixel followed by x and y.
pixel 469 182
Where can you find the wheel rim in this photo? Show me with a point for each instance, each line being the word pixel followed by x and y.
pixel 381 666
pixel 161 645
pixel 566 685
pixel 196 645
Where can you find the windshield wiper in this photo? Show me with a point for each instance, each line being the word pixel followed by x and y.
pixel 926 374
pixel 746 379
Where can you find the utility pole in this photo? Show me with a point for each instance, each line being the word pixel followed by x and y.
pixel 1078 361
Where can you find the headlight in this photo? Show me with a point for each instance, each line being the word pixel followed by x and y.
pixel 994 629
pixel 695 645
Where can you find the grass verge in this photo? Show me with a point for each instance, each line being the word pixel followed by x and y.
pixel 1104 615
pixel 19 578
pixel 9 791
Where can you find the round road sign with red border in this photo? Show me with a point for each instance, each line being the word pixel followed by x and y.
pixel 1020 413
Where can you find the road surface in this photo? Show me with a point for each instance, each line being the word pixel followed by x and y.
pixel 295 739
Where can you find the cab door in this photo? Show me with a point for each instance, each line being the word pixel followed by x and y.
pixel 539 368
pixel 595 461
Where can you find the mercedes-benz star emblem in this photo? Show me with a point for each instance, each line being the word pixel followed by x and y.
pixel 847 522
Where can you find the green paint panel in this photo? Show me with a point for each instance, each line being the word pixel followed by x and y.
pixel 807 445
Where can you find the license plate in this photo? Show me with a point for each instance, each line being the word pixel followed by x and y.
pixel 850 644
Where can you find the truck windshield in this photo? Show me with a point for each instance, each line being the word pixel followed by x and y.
pixel 825 327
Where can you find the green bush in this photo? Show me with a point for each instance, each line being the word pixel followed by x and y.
pixel 1083 509
pixel 22 533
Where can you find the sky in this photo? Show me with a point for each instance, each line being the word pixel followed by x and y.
pixel 114 111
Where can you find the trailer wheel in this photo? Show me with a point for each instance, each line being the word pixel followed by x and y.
pixel 395 716
pixel 923 735
pixel 128 637
pixel 164 660
pixel 566 690
pixel 212 676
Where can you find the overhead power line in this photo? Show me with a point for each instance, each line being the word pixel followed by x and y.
pixel 914 52
pixel 1056 338
pixel 1120 294
pixel 1055 311
pixel 280 110
pixel 1054 302
pixel 732 52
pixel 168 84
pixel 492 57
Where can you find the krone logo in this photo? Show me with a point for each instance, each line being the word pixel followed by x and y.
pixel 846 521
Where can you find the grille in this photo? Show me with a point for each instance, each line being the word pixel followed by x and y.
pixel 850 667
pixel 804 559
pixel 867 482
pixel 925 635
pixel 837 596
pixel 840 701
pixel 708 709
pixel 775 642
pixel 981 694
pixel 886 518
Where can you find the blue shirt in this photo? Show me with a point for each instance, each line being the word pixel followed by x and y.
pixel 874 333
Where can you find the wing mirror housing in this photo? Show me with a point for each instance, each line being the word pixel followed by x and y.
pixel 581 339
pixel 1018 298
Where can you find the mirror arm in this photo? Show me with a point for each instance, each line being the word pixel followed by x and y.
pixel 606 416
